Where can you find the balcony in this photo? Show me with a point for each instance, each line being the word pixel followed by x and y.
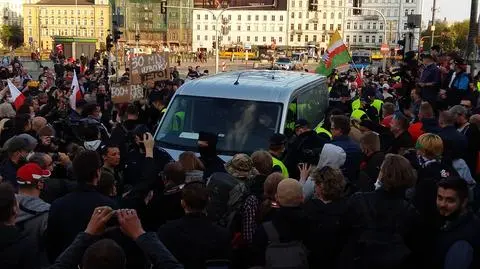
pixel 314 20
pixel 371 17
pixel 297 32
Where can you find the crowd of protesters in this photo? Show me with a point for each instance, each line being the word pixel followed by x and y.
pixel 387 180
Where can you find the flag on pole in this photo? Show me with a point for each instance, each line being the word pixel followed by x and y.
pixel 359 78
pixel 16 97
pixel 76 92
pixel 335 55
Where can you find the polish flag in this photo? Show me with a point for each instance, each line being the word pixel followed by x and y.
pixel 76 92
pixel 17 98
pixel 359 78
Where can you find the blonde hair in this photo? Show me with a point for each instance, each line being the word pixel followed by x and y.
pixel 431 145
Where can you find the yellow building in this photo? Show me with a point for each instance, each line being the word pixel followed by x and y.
pixel 84 19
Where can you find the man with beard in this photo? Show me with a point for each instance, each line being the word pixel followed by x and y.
pixel 458 240
pixel 207 147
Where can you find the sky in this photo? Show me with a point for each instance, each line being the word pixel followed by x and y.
pixel 453 10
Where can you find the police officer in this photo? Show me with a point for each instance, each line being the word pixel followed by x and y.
pixel 276 149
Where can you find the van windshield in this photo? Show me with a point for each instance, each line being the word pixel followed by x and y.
pixel 241 125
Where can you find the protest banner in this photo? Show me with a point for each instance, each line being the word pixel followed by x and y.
pixel 126 93
pixel 148 68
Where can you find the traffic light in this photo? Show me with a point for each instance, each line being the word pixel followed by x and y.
pixel 214 44
pixel 357 3
pixel 163 7
pixel 109 41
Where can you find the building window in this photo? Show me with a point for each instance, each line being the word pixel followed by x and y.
pixel 299 26
pixel 323 38
pixel 340 15
pixel 264 39
pixel 229 17
pixel 256 39
pixel 299 38
pixel 291 38
pixel 332 15
pixel 198 26
pixel 406 12
pixel 412 11
pixel 239 17
pixel 239 28
pixel 238 39
pixel 198 37
pixel 280 40
pixel 354 39
pixel 348 25
pixel 293 3
pixel 325 15
pixel 331 27
pixel 339 27
pixel 367 39
pixel 292 15
pixel 306 15
pixel 299 15
pixel 355 26
pixel 206 37
pixel 381 26
pixel 281 17
pixel 292 27
pixel 360 39
pixel 324 27
pixel 380 39
pixel 374 26
pixel 347 38
pixel 300 3
pixel 264 17
pixel 273 17
pixel 72 21
pixel 405 26
pixel 256 17
pixel 248 38
pixel 206 27
pixel 249 17
pixel 373 39
pixel 248 27
pixel 306 38
pixel 206 16
pixel 360 26
pixel 306 26
pixel 314 38
pixel 315 26
pixel 280 28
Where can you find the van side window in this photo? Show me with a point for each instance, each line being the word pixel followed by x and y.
pixel 291 118
pixel 311 105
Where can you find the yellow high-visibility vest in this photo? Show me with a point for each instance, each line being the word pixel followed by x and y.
pixel 284 169
pixel 377 104
pixel 321 130
pixel 358 114
pixel 356 104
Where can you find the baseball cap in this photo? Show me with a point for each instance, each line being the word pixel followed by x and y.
pixel 301 123
pixel 30 173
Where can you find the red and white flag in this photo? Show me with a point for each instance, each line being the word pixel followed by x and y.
pixel 76 92
pixel 16 97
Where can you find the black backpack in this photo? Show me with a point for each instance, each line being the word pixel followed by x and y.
pixel 381 247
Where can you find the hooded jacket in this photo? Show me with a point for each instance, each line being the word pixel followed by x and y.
pixel 331 155
pixel 32 219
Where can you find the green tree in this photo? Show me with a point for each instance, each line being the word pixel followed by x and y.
pixel 449 37
pixel 11 35
pixel 460 32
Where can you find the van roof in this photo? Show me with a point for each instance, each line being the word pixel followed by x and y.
pixel 260 85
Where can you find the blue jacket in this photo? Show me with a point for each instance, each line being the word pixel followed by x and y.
pixel 461 81
pixel 354 155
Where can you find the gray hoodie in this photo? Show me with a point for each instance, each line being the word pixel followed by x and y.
pixel 32 219
pixel 331 155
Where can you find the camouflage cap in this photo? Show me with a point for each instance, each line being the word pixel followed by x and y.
pixel 241 166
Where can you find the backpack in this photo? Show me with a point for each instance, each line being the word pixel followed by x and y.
pixel 227 197
pixel 380 247
pixel 278 255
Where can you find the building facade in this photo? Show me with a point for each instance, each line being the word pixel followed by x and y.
pixel 11 12
pixel 44 19
pixel 367 29
pixel 252 27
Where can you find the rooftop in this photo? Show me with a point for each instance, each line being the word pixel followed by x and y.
pixel 66 2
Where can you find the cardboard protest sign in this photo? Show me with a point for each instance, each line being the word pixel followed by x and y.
pixel 143 66
pixel 126 93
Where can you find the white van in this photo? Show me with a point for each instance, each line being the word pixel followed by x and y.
pixel 244 108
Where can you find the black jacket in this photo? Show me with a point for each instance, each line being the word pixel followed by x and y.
pixel 324 225
pixel 369 170
pixel 193 240
pixel 388 210
pixel 402 142
pixel 213 164
pixel 70 215
pixel 297 151
pixel 472 134
pixel 164 206
pixel 454 143
pixel 16 252
pixel 291 225
pixel 154 250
